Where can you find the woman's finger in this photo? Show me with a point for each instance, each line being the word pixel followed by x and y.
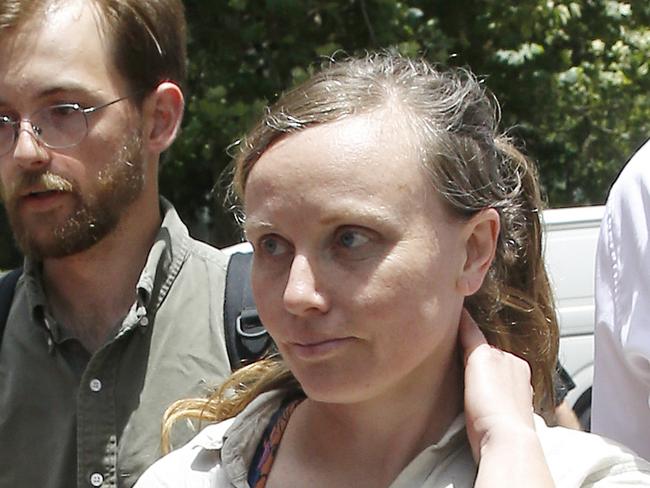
pixel 471 336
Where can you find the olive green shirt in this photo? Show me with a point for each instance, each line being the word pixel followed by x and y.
pixel 69 418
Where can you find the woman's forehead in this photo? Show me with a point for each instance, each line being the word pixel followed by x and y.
pixel 363 146
pixel 362 159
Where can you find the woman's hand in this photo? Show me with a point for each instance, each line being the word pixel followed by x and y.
pixel 499 413
pixel 498 394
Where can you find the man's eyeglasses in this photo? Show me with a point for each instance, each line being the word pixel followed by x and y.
pixel 57 126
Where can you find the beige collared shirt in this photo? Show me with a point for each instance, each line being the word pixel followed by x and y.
pixel 72 419
pixel 219 457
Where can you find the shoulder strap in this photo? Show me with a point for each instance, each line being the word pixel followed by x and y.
pixel 562 383
pixel 7 287
pixel 246 337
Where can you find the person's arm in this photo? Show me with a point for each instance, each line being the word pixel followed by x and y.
pixel 621 387
pixel 499 415
pixel 565 416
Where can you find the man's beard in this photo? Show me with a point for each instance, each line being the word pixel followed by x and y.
pixel 95 215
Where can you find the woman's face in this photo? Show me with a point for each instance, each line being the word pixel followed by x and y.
pixel 357 263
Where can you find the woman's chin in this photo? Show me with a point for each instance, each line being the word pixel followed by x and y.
pixel 331 388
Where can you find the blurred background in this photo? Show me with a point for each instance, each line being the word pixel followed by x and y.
pixel 571 77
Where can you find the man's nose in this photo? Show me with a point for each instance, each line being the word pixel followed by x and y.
pixel 304 293
pixel 29 152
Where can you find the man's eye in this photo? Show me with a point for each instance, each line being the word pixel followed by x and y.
pixel 6 120
pixel 273 246
pixel 351 239
pixel 63 110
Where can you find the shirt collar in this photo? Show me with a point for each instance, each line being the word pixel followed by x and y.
pixel 238 438
pixel 166 257
pixel 265 405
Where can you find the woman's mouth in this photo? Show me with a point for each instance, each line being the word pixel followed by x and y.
pixel 319 349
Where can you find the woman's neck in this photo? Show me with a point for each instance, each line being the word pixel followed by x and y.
pixel 348 444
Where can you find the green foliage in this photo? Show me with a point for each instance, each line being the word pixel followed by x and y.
pixel 571 76
pixel 244 54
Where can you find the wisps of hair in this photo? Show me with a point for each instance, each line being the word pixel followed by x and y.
pixel 231 397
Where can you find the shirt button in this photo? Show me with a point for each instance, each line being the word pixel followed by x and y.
pixel 95 385
pixel 144 321
pixel 96 479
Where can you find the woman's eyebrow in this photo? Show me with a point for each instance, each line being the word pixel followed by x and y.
pixel 366 214
pixel 252 224
pixel 344 213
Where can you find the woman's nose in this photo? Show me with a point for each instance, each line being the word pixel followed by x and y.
pixel 304 292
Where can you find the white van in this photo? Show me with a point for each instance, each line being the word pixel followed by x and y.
pixel 570 239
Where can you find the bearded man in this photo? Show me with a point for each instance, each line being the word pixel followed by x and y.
pixel 118 311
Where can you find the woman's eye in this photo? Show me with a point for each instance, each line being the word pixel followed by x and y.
pixel 273 246
pixel 352 238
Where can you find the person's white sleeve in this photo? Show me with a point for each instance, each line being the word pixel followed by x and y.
pixel 621 390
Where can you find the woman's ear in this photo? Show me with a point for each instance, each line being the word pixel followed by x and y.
pixel 480 236
pixel 163 111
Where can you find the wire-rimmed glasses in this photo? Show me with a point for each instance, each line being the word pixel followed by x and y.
pixel 56 126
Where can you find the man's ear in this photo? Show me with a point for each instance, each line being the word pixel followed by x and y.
pixel 480 234
pixel 163 110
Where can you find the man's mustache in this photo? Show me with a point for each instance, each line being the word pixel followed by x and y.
pixel 45 181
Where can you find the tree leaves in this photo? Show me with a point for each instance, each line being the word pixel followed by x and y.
pixel 571 76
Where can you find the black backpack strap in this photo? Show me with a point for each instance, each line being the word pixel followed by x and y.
pixel 562 382
pixel 7 287
pixel 246 337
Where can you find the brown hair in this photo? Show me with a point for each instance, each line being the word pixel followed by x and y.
pixel 469 163
pixel 148 38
